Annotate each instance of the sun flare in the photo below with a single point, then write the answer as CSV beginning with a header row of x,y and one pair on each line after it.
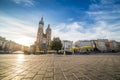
x,y
20,57
24,41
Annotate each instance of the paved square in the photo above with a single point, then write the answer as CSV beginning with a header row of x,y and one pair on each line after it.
x,y
59,67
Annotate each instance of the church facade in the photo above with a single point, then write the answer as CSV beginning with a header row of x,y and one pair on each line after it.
x,y
43,39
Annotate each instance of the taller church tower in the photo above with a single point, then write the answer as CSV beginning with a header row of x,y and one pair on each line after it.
x,y
43,39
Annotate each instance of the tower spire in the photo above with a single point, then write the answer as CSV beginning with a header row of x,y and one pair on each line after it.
x,y
48,25
41,21
41,18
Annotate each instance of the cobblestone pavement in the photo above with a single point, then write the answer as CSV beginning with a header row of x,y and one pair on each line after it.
x,y
59,67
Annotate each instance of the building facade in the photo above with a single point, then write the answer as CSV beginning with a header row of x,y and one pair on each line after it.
x,y
113,45
43,39
105,45
82,43
11,46
66,44
101,44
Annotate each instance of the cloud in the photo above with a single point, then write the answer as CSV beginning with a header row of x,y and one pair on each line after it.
x,y
106,16
77,31
22,32
108,2
24,2
70,19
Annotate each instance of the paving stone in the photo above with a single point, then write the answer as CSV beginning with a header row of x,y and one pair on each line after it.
x,y
49,74
41,72
78,74
1,77
44,68
38,77
24,73
27,79
57,70
83,78
67,73
71,77
50,69
60,67
48,79
59,77
6,74
17,78
9,77
30,75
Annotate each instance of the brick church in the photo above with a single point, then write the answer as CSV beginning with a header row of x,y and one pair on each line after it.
x,y
43,39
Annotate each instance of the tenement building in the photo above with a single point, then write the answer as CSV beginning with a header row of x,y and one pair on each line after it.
x,y
43,39
67,44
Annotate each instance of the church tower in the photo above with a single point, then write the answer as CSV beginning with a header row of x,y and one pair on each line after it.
x,y
40,33
43,40
48,35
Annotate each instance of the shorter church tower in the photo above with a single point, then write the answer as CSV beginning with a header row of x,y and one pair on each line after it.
x,y
43,39
48,36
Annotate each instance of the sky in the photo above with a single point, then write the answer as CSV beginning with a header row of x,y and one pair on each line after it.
x,y
69,19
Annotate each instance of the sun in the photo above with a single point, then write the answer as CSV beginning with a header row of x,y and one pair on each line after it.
x,y
24,41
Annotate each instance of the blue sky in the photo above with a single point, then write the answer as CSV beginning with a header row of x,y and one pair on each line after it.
x,y
70,19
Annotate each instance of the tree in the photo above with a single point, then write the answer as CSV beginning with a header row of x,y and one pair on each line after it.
x,y
1,48
56,44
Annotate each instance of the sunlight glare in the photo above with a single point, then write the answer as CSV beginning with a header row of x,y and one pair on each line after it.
x,y
24,41
20,57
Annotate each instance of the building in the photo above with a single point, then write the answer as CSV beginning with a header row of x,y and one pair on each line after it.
x,y
82,43
66,44
118,46
101,44
11,46
32,49
113,45
43,39
104,45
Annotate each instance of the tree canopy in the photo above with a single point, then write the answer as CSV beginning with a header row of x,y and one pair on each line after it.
x,y
56,44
